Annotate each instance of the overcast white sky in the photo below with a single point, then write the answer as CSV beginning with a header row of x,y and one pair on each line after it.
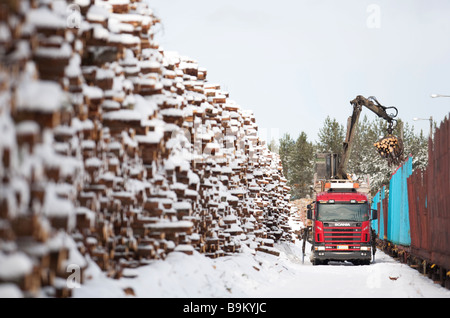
x,y
295,62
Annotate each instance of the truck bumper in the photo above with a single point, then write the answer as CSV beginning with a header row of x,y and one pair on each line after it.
x,y
343,256
363,256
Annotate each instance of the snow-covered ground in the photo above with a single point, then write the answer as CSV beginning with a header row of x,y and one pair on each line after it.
x,y
253,274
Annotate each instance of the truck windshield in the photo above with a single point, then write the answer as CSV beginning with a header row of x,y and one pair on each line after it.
x,y
343,212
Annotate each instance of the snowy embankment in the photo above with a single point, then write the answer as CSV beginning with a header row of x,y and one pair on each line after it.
x,y
253,274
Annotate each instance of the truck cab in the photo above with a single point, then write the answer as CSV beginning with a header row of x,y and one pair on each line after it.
x,y
341,229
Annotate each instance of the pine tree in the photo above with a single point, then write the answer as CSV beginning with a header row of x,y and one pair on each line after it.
x,y
420,150
331,136
285,151
302,165
416,146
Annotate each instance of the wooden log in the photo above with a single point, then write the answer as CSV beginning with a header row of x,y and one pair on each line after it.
x,y
57,260
171,227
268,250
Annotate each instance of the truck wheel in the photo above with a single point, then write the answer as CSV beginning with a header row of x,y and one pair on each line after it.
x,y
320,262
361,262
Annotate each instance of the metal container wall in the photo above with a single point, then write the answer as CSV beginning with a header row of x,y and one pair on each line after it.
x,y
439,194
418,214
398,231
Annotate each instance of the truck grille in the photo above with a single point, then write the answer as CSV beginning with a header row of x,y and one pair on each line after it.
x,y
342,238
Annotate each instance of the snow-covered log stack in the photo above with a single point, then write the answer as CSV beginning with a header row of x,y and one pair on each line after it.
x,y
115,150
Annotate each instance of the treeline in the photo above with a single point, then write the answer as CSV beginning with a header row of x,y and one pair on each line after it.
x,y
298,155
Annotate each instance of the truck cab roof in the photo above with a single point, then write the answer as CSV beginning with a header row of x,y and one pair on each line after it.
x,y
341,196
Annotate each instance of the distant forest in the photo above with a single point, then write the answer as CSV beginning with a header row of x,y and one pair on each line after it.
x,y
298,155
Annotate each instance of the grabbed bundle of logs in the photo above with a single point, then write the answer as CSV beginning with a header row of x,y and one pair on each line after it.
x,y
390,148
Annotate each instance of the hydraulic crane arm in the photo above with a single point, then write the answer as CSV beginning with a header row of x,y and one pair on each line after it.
x,y
372,104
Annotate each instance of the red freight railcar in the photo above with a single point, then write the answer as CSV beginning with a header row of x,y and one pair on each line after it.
x,y
429,204
438,199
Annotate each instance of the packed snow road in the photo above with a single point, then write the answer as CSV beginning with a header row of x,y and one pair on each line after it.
x,y
385,277
253,274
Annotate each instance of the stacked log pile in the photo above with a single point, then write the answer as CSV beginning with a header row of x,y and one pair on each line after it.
x,y
116,151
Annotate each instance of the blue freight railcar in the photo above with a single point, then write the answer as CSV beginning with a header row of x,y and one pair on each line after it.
x,y
398,228
392,224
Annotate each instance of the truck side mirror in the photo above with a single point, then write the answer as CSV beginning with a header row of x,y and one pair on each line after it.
x,y
374,214
309,212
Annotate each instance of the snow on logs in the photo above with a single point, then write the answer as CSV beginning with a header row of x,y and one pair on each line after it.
x,y
117,151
